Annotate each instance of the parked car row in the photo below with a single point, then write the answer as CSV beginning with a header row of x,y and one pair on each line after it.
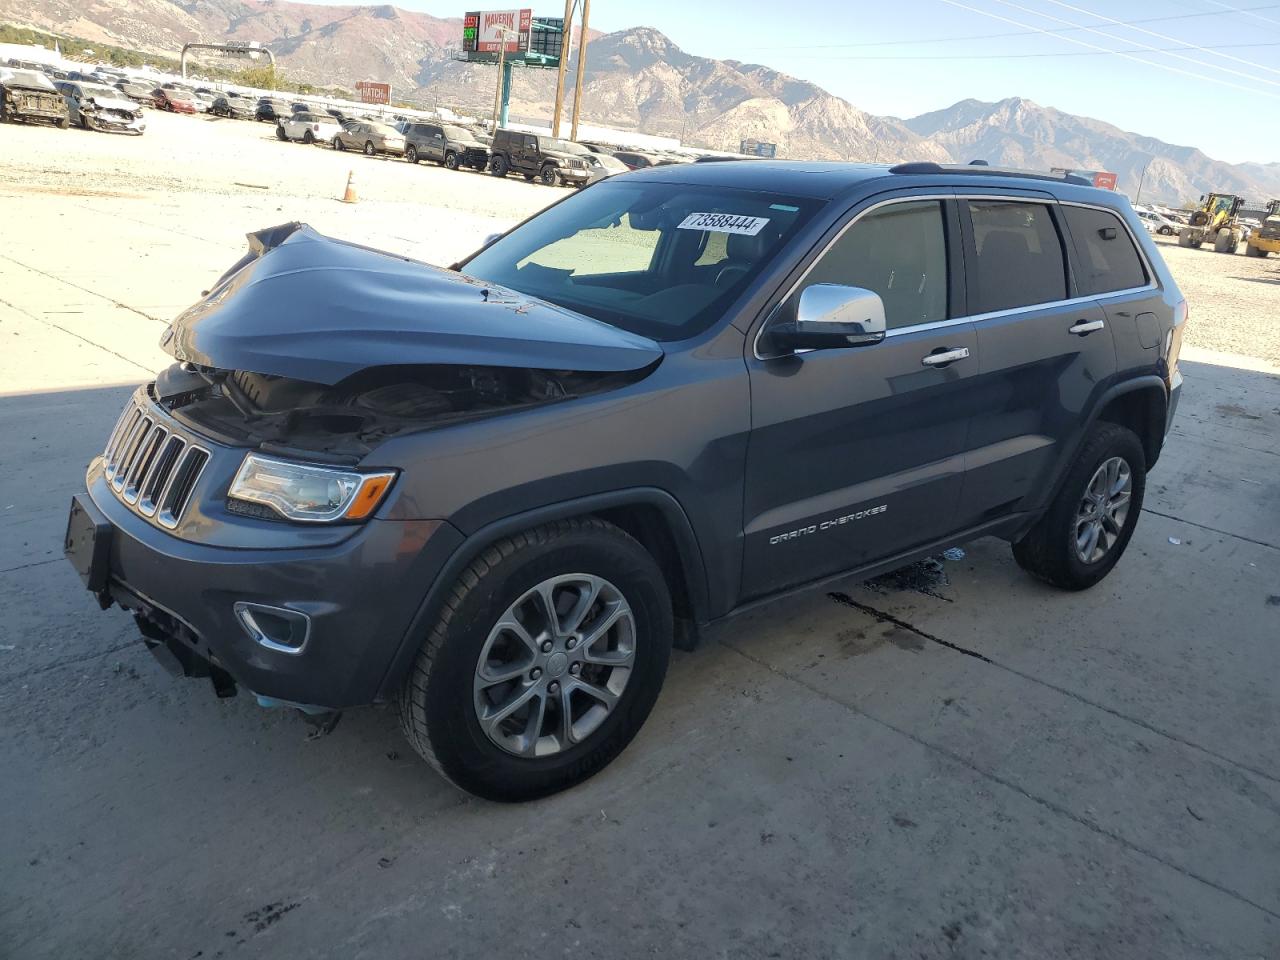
x,y
28,96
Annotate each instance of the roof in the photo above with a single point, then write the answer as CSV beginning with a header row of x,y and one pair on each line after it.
x,y
799,178
827,180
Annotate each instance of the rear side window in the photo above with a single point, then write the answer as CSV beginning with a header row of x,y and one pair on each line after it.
x,y
1019,256
900,252
1106,257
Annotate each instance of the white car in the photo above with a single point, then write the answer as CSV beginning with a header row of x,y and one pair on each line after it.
x,y
308,127
1158,223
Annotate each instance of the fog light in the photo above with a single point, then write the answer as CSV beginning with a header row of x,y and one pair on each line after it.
x,y
275,628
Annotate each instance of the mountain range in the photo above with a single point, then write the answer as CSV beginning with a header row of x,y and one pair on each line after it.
x,y
638,79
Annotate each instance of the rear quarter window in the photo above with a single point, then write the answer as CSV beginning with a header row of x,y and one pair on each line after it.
x,y
1106,258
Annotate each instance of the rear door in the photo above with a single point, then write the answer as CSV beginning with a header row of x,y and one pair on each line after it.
x,y
1046,351
856,455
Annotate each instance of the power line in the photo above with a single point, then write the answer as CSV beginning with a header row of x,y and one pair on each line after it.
x,y
1128,56
1013,33
1032,56
1163,36
1246,11
1111,36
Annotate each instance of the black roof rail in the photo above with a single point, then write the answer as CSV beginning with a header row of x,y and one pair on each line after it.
x,y
928,166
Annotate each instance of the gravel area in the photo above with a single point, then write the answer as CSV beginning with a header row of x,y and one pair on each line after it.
x,y
1235,300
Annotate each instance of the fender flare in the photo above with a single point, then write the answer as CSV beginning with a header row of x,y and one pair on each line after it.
x,y
689,552
1131,385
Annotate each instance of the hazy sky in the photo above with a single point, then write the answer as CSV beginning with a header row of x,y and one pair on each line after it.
x,y
1213,80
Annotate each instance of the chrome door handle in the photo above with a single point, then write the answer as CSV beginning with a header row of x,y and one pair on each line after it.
x,y
1086,326
947,356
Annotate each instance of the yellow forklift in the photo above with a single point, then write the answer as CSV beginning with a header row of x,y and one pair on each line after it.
x,y
1215,220
1266,239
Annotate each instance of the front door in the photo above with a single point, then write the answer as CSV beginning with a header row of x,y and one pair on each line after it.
x,y
856,455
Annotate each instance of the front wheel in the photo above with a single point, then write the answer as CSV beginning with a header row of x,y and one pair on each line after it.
x,y
280,134
308,138
451,160
338,144
411,153
547,657
1085,531
1225,242
549,175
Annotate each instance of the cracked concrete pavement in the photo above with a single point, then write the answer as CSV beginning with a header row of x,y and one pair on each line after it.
x,y
951,761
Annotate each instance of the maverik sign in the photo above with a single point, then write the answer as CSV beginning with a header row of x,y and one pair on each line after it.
x,y
491,31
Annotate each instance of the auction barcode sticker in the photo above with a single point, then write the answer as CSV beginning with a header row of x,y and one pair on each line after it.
x,y
724,223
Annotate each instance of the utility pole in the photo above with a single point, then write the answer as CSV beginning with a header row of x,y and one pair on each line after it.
x,y
566,42
502,66
582,65
1141,179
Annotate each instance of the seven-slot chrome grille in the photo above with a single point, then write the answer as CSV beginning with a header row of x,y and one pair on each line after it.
x,y
151,467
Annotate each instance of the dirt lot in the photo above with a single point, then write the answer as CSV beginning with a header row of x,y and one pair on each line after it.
x,y
951,762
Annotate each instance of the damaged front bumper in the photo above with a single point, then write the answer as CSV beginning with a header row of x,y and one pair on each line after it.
x,y
114,121
316,625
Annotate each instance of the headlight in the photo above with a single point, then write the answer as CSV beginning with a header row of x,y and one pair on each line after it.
x,y
308,493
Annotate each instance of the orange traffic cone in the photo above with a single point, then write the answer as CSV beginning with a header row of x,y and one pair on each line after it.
x,y
350,195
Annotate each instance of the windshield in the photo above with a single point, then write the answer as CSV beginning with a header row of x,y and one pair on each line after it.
x,y
457,133
659,259
564,146
105,92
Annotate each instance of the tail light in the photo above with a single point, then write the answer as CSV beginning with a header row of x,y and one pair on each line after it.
x,y
1173,339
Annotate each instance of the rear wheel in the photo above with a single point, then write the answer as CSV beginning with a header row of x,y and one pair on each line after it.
x,y
338,144
411,153
451,160
548,655
1187,238
308,138
499,166
1085,531
1225,242
369,148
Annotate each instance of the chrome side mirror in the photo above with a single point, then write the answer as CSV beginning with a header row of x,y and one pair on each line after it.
x,y
830,315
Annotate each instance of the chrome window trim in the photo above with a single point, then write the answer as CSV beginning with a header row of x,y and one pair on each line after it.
x,y
975,317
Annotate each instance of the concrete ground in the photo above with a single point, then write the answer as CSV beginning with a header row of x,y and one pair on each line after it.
x,y
954,761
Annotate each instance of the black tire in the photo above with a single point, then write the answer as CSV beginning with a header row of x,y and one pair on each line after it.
x,y
369,149
1224,242
411,153
499,166
280,134
338,144
437,711
308,138
1186,238
1048,550
1251,251
1166,231
451,160
549,175
63,123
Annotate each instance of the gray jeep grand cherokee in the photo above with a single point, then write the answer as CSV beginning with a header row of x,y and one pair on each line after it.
x,y
499,493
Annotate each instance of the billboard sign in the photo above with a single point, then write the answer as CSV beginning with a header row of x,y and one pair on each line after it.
x,y
1102,179
490,31
371,92
758,148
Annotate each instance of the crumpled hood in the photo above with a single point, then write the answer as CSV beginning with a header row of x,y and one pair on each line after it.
x,y
303,305
115,103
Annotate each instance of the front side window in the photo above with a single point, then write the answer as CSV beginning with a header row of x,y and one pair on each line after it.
x,y
1107,258
660,259
1020,260
899,251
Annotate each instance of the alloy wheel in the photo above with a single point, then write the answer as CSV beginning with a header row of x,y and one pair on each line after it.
x,y
554,666
1103,510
